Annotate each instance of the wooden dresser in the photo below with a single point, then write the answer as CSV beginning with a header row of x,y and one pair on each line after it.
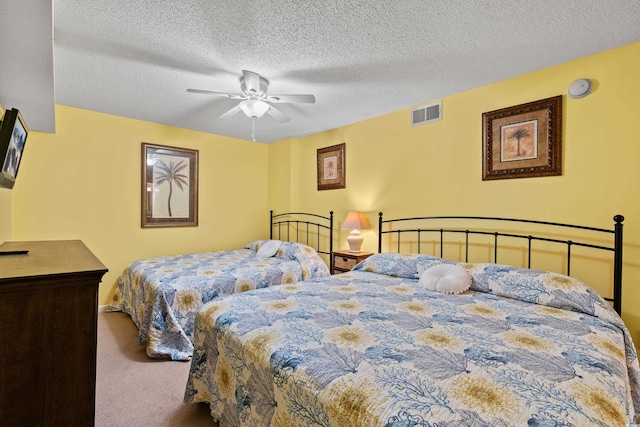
x,y
48,333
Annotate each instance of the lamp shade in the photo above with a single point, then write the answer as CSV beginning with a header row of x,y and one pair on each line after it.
x,y
254,108
355,221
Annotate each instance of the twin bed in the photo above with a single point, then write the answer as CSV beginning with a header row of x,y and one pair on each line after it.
x,y
162,295
379,346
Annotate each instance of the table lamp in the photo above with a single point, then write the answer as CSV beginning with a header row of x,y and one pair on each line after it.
x,y
355,222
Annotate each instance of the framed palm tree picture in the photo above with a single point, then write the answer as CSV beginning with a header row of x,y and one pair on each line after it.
x,y
523,141
331,167
169,186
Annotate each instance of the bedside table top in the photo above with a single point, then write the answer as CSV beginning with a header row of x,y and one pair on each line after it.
x,y
347,252
344,261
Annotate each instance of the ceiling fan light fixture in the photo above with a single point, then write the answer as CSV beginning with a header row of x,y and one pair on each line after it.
x,y
255,102
254,108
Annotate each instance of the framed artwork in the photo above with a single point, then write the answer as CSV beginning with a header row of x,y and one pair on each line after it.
x,y
523,141
169,186
331,167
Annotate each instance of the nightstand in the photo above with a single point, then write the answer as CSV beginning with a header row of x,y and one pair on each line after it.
x,y
345,260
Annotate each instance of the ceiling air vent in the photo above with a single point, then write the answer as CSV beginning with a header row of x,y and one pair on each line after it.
x,y
426,114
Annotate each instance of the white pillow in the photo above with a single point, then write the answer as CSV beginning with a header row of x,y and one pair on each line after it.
x,y
268,249
446,278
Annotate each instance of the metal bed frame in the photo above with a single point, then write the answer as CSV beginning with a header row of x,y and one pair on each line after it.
x,y
616,247
294,220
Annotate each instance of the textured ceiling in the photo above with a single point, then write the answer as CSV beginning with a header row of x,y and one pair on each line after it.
x,y
26,61
136,58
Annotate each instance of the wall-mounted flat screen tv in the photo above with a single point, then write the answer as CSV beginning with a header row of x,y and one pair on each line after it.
x,y
13,136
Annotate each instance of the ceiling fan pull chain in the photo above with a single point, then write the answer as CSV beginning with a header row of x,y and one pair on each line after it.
x,y
253,129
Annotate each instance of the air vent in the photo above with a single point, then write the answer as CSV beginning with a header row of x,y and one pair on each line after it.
x,y
426,114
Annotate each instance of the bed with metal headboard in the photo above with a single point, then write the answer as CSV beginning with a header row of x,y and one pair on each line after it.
x,y
423,231
163,294
417,339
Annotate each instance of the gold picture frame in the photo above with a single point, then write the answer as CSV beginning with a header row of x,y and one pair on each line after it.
x,y
331,167
523,141
169,186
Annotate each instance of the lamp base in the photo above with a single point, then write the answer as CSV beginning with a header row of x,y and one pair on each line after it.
x,y
355,241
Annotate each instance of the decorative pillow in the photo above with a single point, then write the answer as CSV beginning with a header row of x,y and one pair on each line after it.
x,y
446,278
269,249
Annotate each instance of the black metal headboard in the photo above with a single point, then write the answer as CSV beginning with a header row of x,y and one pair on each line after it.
x,y
307,228
615,233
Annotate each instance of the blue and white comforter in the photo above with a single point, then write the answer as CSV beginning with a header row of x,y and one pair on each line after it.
x,y
162,295
373,347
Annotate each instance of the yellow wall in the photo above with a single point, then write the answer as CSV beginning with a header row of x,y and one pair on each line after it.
x,y
5,215
84,182
436,169
5,209
280,176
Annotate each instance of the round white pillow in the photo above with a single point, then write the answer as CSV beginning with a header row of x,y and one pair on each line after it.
x,y
446,278
268,249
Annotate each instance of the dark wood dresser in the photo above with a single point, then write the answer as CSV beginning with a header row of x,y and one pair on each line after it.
x,y
48,333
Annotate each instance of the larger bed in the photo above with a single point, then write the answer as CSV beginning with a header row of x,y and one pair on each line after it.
x,y
163,294
377,347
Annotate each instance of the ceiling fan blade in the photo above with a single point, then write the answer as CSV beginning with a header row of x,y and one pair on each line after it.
x,y
210,92
251,81
309,99
277,114
232,112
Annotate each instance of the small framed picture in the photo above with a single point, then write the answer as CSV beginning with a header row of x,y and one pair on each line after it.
x,y
331,167
523,141
169,186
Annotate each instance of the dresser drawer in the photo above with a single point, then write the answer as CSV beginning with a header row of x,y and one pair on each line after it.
x,y
344,263
344,260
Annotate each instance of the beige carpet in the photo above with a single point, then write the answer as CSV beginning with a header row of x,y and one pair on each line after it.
x,y
134,390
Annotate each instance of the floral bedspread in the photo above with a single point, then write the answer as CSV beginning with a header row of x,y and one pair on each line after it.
x,y
372,347
162,295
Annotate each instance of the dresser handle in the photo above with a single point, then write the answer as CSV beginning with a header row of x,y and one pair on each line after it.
x,y
345,259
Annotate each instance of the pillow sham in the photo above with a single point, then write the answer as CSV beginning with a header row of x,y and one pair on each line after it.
x,y
539,287
268,249
255,245
310,261
409,266
446,278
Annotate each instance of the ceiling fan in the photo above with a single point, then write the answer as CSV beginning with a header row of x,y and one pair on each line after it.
x,y
254,99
